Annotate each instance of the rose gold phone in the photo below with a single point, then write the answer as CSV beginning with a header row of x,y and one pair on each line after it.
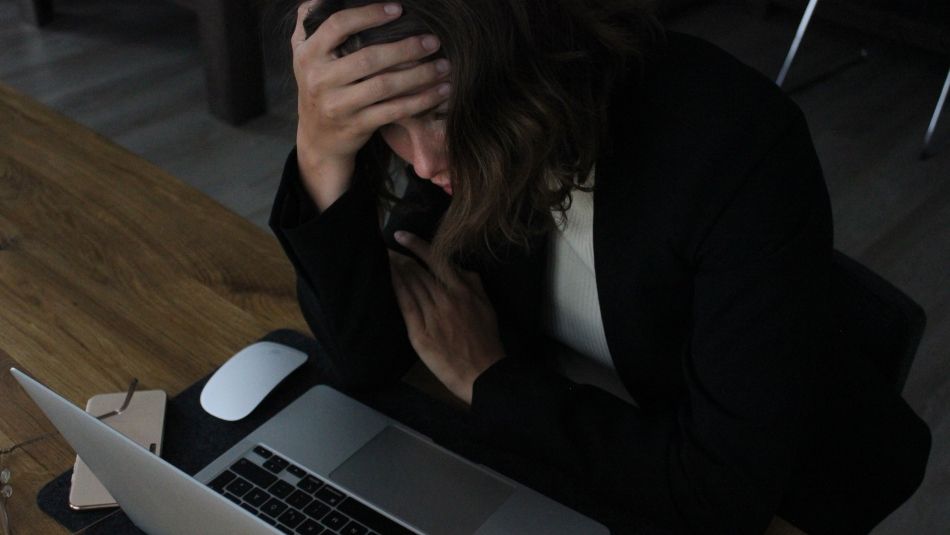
x,y
143,421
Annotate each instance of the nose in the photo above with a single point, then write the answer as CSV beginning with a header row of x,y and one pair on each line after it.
x,y
427,158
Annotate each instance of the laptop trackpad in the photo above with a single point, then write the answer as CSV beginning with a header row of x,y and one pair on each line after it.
x,y
418,482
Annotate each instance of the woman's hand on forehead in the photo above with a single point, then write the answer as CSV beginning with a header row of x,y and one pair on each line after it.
x,y
343,100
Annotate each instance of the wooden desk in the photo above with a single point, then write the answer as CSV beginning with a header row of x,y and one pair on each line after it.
x,y
110,269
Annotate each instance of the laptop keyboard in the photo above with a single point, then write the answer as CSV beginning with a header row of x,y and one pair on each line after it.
x,y
296,501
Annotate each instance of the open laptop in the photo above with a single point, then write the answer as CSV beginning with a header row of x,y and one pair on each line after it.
x,y
325,464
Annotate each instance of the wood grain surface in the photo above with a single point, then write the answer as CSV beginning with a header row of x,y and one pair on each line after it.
x,y
110,269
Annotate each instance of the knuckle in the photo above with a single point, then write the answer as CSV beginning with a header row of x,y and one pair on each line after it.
x,y
333,24
431,98
361,124
332,110
314,83
412,47
365,61
391,114
381,86
300,60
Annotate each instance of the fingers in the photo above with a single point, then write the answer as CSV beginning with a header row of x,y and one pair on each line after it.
x,y
453,279
414,279
417,245
374,59
414,288
405,82
341,25
300,34
371,75
408,304
392,110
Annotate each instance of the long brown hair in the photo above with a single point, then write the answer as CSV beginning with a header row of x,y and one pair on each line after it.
x,y
531,80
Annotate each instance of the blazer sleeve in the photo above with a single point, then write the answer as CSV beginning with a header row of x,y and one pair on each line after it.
x,y
343,280
718,462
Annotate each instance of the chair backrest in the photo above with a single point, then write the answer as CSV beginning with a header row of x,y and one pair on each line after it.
x,y
874,320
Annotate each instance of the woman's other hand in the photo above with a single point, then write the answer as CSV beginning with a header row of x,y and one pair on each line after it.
x,y
342,101
451,323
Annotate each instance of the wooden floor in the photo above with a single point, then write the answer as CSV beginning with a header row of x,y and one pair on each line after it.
x,y
131,70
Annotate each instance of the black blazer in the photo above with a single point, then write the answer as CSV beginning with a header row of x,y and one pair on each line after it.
x,y
712,243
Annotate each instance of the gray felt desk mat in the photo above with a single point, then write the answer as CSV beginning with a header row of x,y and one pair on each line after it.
x,y
193,438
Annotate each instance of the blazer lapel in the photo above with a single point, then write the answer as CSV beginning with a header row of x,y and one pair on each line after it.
x,y
640,283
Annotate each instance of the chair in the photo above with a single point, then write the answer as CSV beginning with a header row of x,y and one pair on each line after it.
x,y
875,319
231,43
793,51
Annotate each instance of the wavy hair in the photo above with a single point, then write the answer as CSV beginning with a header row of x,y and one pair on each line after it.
x,y
531,82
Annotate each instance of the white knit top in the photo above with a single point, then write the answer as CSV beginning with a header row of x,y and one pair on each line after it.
x,y
572,312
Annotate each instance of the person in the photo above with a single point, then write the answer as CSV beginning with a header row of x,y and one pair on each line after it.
x,y
574,172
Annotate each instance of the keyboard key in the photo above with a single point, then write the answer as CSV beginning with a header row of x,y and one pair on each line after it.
x,y
285,529
250,508
255,474
232,497
239,487
330,495
309,484
335,520
267,519
296,471
223,479
281,489
370,518
317,510
263,452
275,464
353,529
310,527
256,497
298,499
291,518
274,507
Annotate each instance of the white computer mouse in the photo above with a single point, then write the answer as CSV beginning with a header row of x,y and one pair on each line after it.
x,y
243,382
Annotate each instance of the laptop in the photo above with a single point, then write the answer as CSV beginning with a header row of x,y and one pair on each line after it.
x,y
325,464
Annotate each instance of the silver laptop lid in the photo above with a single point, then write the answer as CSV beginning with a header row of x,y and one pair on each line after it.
x,y
158,497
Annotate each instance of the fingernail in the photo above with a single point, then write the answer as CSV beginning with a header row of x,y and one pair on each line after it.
x,y
392,9
430,42
401,236
445,89
442,66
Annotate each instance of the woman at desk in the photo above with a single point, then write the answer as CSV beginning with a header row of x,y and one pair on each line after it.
x,y
575,173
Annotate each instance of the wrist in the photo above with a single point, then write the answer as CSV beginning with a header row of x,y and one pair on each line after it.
x,y
325,179
466,390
